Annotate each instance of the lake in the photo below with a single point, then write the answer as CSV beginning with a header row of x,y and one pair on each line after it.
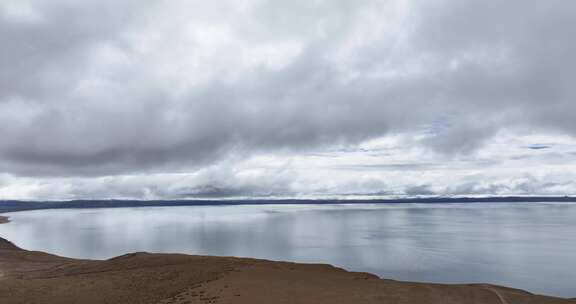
x,y
531,246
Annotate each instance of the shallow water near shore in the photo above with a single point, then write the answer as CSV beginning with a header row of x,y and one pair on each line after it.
x,y
528,246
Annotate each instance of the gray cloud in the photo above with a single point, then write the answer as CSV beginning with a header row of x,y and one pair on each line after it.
x,y
391,167
538,147
104,87
420,190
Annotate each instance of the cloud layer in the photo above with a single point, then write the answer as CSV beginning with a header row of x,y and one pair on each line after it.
x,y
107,89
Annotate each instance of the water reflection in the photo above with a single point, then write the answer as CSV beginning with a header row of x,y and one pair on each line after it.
x,y
529,246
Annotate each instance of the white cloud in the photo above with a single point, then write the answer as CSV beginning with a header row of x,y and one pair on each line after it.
x,y
151,95
384,168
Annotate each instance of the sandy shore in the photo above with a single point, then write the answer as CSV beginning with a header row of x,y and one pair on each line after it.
x,y
36,277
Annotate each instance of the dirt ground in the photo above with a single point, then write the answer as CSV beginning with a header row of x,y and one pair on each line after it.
x,y
36,277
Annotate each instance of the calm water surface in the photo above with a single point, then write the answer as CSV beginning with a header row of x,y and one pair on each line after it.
x,y
528,246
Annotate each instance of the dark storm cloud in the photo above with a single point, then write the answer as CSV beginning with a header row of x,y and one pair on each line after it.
x,y
107,87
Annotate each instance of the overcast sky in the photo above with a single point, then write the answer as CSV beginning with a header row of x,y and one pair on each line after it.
x,y
301,98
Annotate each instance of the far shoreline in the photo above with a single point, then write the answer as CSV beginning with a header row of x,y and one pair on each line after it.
x,y
18,205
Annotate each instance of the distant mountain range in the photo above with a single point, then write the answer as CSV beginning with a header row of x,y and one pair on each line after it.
x,y
14,205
